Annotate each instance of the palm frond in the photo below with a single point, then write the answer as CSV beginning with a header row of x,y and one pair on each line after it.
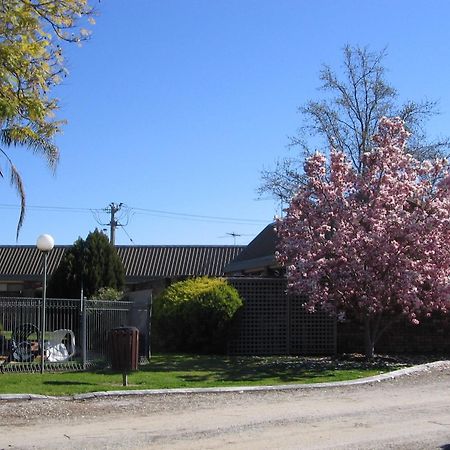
x,y
35,141
17,183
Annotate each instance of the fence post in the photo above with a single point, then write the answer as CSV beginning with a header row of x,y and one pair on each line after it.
x,y
83,330
149,326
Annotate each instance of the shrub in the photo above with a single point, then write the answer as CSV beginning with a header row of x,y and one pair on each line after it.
x,y
195,315
107,293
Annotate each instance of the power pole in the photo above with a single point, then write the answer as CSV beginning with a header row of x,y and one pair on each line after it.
x,y
113,208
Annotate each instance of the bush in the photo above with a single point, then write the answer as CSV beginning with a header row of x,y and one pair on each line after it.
x,y
195,315
108,293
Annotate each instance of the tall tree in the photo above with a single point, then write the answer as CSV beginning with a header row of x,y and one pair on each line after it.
x,y
374,243
31,64
90,264
347,118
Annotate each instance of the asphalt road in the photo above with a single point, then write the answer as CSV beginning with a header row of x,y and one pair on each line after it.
x,y
409,412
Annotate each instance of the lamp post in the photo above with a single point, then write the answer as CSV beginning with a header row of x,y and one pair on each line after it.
x,y
45,244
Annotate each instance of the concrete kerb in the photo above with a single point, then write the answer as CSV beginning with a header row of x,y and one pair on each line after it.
x,y
236,389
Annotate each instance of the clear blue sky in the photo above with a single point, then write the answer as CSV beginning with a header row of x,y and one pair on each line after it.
x,y
177,106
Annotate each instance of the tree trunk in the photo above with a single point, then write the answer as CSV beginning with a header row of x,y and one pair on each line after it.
x,y
369,341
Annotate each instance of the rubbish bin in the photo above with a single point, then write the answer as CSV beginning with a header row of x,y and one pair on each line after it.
x,y
124,349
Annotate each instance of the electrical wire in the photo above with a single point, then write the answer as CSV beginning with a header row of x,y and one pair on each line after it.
x,y
125,231
143,211
50,208
187,216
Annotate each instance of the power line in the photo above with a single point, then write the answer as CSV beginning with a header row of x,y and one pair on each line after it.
x,y
129,237
197,216
50,208
143,211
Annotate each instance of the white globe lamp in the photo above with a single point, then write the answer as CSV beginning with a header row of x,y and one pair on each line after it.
x,y
45,244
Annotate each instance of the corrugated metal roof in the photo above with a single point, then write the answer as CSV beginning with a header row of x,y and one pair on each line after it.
x,y
25,262
140,262
171,261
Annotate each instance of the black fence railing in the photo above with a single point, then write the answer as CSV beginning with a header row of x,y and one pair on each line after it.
x,y
76,331
101,317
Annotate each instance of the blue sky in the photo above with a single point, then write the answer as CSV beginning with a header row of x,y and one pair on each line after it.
x,y
177,105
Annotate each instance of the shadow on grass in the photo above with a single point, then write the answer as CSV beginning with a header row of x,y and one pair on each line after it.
x,y
246,376
250,369
197,369
68,383
207,368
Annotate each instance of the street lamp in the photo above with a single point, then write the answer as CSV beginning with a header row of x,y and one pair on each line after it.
x,y
45,244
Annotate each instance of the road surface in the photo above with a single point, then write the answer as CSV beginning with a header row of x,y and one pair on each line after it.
x,y
410,412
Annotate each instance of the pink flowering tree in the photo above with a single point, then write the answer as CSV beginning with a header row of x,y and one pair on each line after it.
x,y
373,245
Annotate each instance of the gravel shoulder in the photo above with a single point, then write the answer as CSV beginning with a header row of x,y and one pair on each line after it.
x,y
410,411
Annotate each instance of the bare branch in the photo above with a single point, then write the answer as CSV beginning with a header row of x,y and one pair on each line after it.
x,y
347,118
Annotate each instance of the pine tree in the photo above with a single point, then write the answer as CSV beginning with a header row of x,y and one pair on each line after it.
x,y
90,264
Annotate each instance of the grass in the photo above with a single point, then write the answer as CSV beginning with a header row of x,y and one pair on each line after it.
x,y
190,371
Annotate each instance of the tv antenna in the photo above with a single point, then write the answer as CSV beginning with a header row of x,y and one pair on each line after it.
x,y
235,235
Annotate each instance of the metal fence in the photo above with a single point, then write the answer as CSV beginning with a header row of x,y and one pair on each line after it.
x,y
76,331
101,316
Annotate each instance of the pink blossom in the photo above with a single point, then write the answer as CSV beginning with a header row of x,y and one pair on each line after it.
x,y
371,243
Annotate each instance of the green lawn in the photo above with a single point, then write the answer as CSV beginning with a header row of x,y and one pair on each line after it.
x,y
188,371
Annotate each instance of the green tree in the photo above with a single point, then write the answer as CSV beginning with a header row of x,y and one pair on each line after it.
x,y
92,264
32,33
346,117
195,315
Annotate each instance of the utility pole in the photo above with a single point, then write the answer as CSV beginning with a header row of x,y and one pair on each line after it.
x,y
113,208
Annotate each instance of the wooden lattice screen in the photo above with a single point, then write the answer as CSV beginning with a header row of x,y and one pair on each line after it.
x,y
274,323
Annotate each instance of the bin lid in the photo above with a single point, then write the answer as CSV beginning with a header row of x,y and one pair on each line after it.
x,y
124,330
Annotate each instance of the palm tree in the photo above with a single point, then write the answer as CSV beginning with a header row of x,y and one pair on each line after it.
x,y
39,144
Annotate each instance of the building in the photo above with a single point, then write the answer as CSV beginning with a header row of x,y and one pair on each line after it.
x,y
258,258
146,267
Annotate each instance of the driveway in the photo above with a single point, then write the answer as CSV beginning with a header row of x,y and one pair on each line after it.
x,y
409,412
